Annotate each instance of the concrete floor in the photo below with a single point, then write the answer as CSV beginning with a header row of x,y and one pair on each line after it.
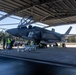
x,y
54,56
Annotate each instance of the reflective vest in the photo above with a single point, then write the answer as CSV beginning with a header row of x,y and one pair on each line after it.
x,y
60,45
8,41
31,43
40,45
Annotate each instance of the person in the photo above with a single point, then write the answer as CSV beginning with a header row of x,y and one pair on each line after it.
x,y
11,44
60,44
4,43
8,43
30,26
63,45
40,45
31,43
28,42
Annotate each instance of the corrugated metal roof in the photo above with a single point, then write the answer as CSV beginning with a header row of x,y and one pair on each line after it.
x,y
52,12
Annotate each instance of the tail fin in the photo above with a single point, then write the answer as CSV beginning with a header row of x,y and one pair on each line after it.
x,y
68,31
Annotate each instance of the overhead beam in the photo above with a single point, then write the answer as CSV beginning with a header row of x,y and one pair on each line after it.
x,y
45,13
73,22
23,8
46,1
59,16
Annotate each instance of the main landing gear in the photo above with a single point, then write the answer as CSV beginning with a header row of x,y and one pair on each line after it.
x,y
57,45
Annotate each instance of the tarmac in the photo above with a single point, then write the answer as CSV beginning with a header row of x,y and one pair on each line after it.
x,y
51,56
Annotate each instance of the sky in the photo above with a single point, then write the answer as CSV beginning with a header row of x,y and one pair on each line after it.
x,y
60,29
63,28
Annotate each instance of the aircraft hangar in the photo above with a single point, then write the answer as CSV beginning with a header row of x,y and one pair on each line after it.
x,y
51,12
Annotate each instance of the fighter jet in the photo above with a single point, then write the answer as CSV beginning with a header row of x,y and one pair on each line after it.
x,y
27,31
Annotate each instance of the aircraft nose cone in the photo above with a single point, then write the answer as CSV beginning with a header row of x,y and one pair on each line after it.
x,y
12,31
